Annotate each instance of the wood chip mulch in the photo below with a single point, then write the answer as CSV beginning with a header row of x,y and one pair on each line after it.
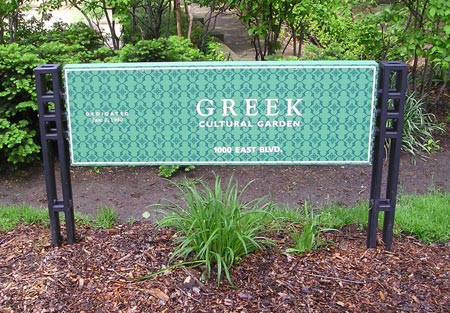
x,y
97,274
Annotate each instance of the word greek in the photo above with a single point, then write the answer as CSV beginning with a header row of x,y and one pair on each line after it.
x,y
250,107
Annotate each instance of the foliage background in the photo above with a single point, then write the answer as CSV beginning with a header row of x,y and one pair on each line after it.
x,y
142,30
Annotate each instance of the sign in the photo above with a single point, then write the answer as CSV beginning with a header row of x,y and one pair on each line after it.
x,y
221,113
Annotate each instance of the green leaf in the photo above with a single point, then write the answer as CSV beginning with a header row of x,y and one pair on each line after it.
x,y
432,12
447,30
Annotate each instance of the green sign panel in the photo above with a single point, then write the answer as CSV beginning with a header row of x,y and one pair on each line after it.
x,y
221,113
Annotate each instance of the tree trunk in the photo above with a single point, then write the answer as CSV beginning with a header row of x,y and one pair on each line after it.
x,y
187,7
2,31
300,44
112,28
414,70
443,87
177,9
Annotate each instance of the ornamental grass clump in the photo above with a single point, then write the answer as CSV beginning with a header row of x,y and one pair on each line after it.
x,y
308,239
419,128
217,228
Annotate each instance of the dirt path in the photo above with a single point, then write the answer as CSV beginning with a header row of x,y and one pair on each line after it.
x,y
235,37
131,190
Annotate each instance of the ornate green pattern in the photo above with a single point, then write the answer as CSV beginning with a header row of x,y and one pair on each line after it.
x,y
221,113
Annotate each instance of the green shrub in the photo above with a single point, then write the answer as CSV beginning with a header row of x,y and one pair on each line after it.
x,y
334,51
169,170
18,119
212,50
69,34
162,49
76,43
217,228
61,53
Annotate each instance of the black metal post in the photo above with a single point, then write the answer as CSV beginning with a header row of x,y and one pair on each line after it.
x,y
389,125
53,123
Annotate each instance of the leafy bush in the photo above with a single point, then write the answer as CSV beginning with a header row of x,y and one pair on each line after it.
x,y
74,43
19,143
335,31
169,170
70,34
162,49
61,53
18,121
217,228
380,34
63,44
212,50
334,51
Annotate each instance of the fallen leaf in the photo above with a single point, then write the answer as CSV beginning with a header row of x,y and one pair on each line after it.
x,y
80,283
159,294
246,296
187,280
415,299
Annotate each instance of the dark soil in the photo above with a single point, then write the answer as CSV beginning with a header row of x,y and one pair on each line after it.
x,y
132,190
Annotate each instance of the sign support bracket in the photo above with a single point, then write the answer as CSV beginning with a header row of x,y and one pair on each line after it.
x,y
54,142
388,134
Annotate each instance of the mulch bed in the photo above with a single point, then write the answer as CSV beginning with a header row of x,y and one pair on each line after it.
x,y
97,274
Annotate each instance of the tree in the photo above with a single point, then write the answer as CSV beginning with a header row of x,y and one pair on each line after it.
x,y
263,18
94,11
145,19
10,14
427,29
177,11
267,19
417,31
